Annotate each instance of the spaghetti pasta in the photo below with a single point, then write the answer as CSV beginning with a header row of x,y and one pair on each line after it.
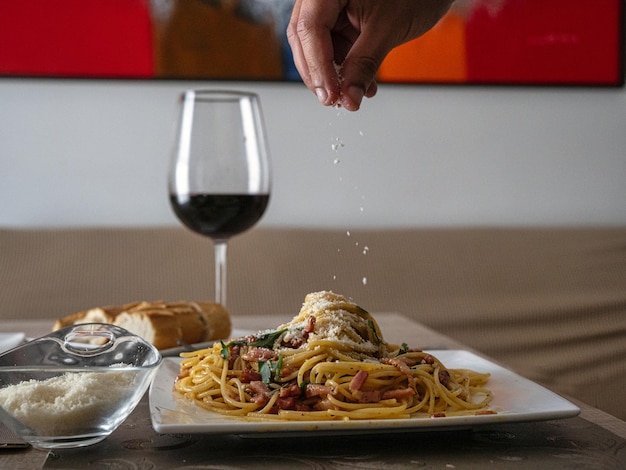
x,y
329,362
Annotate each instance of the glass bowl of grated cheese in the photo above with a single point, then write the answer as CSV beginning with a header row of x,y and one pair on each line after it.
x,y
75,386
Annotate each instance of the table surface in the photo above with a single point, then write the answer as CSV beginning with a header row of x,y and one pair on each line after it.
x,y
592,440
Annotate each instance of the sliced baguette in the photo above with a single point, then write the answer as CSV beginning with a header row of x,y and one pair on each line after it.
x,y
164,324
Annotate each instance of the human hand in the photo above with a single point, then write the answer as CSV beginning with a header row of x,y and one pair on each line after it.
x,y
339,45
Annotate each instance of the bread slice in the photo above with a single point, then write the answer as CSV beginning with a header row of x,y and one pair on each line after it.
x,y
164,324
217,323
93,315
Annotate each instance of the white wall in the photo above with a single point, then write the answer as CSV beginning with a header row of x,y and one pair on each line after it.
x,y
96,153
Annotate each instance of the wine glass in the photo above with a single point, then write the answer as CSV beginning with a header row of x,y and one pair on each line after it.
x,y
219,178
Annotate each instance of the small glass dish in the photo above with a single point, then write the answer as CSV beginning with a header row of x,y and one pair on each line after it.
x,y
75,386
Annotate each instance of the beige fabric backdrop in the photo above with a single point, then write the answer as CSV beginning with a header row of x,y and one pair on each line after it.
x,y
550,303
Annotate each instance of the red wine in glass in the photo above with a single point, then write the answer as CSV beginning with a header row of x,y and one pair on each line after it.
x,y
219,216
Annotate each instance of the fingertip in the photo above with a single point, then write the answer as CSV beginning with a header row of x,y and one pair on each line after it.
x,y
352,98
327,97
322,95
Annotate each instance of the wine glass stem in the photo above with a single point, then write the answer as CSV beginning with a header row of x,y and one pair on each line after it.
x,y
220,271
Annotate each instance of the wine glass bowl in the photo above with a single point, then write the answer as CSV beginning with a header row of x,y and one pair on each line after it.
x,y
219,178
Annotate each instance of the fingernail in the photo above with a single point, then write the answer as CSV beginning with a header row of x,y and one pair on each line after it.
x,y
322,95
355,94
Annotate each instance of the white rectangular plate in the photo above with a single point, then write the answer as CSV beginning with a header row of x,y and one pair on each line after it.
x,y
516,399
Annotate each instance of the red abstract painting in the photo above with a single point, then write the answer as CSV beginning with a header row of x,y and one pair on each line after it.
x,y
558,42
515,42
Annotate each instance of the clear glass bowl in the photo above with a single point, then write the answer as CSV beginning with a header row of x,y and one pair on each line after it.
x,y
75,386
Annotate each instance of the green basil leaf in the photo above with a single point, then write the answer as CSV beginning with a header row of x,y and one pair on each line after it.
x,y
268,339
225,351
266,372
278,368
372,325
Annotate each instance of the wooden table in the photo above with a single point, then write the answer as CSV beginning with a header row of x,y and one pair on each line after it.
x,y
592,440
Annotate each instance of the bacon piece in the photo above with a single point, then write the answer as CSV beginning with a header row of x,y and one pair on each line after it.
x,y
301,406
324,404
399,393
257,386
428,359
259,355
317,390
306,331
250,375
286,403
409,361
444,378
260,392
358,380
291,390
368,396
403,367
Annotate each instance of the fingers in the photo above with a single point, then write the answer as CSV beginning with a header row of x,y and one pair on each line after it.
x,y
309,35
321,34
